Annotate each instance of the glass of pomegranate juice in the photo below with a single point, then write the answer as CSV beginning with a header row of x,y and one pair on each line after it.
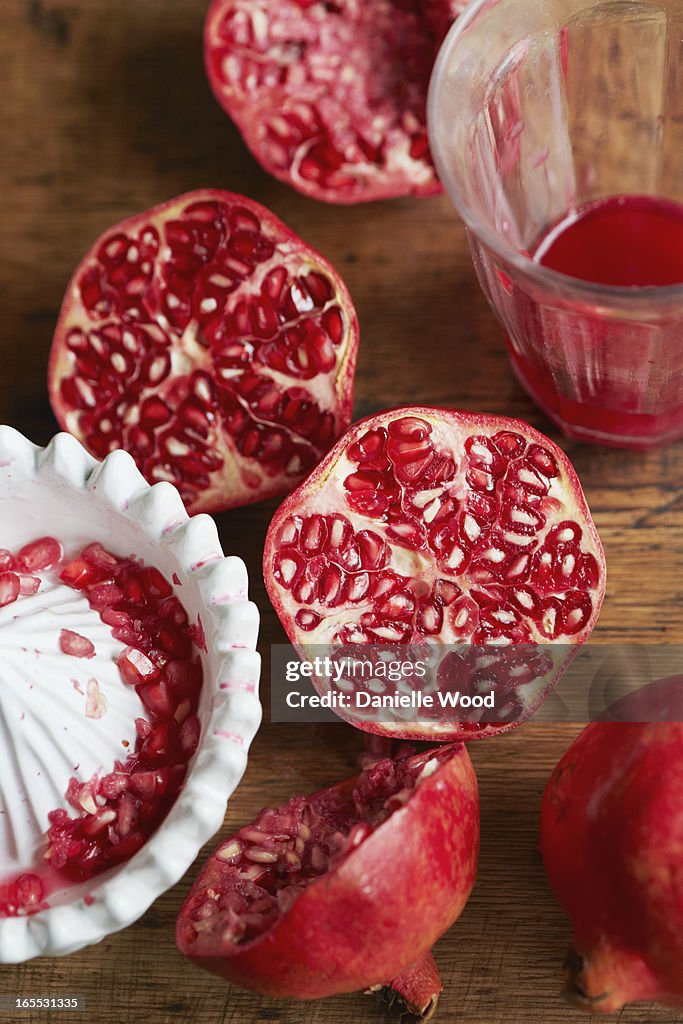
x,y
557,129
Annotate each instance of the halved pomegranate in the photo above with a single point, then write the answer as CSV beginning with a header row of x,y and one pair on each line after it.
x,y
208,340
342,890
435,527
331,97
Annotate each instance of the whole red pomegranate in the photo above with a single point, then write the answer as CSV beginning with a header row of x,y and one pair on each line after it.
x,y
331,97
612,842
438,527
209,341
345,889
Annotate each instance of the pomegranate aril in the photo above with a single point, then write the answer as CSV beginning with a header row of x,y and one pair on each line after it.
x,y
566,532
172,610
161,745
509,444
142,728
29,585
26,892
113,785
177,644
149,784
542,460
184,678
157,699
188,737
136,667
9,588
577,609
372,549
39,554
126,849
155,583
79,573
76,645
98,556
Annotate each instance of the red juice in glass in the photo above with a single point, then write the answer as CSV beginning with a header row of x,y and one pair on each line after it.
x,y
627,241
556,130
632,242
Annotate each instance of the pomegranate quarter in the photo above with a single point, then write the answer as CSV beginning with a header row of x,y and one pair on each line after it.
x,y
331,97
345,889
463,531
209,341
611,840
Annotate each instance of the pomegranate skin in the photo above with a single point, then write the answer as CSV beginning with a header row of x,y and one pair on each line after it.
x,y
611,840
371,917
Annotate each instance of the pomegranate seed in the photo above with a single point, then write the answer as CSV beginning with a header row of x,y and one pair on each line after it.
x,y
113,785
189,735
97,556
9,588
142,728
149,784
184,678
40,554
126,848
155,583
105,594
79,574
161,744
76,645
27,891
135,667
29,585
157,699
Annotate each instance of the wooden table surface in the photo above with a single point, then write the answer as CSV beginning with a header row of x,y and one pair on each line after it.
x,y
105,112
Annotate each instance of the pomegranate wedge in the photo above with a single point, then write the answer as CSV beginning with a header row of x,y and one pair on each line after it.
x,y
343,890
431,525
209,341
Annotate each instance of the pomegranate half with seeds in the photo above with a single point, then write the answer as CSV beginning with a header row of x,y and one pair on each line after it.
x,y
331,97
209,341
431,526
342,890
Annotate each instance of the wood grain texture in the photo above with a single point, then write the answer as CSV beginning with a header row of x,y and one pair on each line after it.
x,y
105,111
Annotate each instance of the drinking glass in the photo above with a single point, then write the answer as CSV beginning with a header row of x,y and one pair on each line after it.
x,y
537,107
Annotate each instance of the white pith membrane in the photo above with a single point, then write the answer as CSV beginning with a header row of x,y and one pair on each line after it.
x,y
256,875
331,96
449,529
212,344
60,715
